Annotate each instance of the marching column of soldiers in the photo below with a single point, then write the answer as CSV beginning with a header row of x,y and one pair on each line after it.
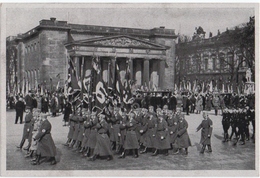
x,y
115,131
238,121
156,130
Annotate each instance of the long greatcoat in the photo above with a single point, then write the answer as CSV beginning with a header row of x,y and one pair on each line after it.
x,y
27,129
172,128
46,146
183,139
199,102
161,131
102,147
206,129
149,130
131,141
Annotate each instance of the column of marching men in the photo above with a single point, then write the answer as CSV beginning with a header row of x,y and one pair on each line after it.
x,y
238,121
124,133
138,131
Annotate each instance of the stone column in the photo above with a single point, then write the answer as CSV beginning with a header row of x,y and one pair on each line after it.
x,y
130,63
146,73
77,65
161,73
138,72
112,71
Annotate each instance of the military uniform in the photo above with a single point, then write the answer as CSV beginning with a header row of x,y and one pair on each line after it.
x,y
183,138
46,146
206,132
226,124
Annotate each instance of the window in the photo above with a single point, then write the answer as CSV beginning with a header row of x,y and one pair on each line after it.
x,y
206,63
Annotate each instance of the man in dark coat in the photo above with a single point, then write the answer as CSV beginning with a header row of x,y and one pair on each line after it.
x,y
26,128
188,103
46,146
193,103
206,132
173,103
183,138
19,108
45,104
29,101
226,124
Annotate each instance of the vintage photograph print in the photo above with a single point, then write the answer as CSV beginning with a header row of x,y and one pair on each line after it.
x,y
142,89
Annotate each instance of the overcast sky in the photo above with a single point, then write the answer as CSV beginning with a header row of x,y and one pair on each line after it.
x,y
182,19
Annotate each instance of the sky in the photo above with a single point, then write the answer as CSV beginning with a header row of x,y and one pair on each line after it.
x,y
182,18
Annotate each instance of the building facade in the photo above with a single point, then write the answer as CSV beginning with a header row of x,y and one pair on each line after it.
x,y
216,60
42,53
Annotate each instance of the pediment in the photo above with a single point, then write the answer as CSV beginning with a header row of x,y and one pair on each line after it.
x,y
122,41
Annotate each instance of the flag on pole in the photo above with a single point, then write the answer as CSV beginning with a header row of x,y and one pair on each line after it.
x,y
223,88
99,86
72,78
202,88
211,86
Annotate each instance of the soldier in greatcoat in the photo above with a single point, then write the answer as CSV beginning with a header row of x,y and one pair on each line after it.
x,y
162,141
27,127
206,132
183,138
87,119
46,146
216,104
172,121
102,147
92,140
226,124
114,129
131,141
148,130
71,129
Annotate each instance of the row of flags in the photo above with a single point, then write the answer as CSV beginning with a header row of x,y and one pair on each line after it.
x,y
205,87
87,86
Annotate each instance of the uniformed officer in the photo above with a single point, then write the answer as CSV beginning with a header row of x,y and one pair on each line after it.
x,y
46,146
206,132
226,123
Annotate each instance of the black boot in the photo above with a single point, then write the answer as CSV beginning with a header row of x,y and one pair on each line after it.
x,y
68,142
21,144
28,147
93,158
202,149
186,151
143,151
135,153
72,143
209,148
82,150
225,138
155,152
53,161
166,153
110,157
29,155
122,155
118,149
86,153
37,161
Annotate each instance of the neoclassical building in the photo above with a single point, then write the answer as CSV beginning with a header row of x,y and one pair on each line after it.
x,y
215,59
43,52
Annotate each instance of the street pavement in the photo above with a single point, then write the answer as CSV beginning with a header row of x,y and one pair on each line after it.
x,y
225,156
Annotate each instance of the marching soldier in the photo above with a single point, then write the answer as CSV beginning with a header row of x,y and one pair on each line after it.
x,y
91,143
172,129
226,124
206,132
102,147
183,138
71,129
149,123
233,124
46,146
27,127
131,141
161,137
